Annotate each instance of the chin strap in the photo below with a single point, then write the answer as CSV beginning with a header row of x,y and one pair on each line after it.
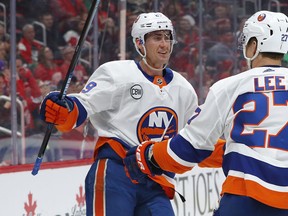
x,y
152,68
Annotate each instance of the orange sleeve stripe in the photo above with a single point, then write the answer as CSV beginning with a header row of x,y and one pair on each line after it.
x,y
216,158
239,186
71,120
165,161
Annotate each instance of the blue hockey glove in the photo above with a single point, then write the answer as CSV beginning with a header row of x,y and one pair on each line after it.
x,y
138,164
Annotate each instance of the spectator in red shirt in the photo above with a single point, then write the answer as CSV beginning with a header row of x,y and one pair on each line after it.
x,y
28,47
79,72
29,93
64,9
72,36
185,51
47,69
66,12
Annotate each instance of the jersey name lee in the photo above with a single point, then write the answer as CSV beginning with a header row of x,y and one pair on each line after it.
x,y
269,83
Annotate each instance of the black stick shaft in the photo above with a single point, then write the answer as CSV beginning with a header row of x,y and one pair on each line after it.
x,y
66,83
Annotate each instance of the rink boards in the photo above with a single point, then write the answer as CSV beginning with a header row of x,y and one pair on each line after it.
x,y
58,190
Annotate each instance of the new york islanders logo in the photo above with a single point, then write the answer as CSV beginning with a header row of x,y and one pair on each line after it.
x,y
261,17
157,123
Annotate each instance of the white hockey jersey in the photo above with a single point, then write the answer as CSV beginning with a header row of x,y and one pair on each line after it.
x,y
122,102
250,111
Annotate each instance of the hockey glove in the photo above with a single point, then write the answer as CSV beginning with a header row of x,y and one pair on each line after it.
x,y
62,113
138,163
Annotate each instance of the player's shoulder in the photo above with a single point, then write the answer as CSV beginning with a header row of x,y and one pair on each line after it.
x,y
248,76
229,83
118,64
179,79
117,68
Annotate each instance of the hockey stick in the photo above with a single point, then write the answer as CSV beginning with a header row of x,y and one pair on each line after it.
x,y
65,85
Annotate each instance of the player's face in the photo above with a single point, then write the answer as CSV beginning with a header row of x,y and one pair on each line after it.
x,y
158,47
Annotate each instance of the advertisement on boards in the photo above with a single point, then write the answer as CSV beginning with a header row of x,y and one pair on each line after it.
x,y
60,191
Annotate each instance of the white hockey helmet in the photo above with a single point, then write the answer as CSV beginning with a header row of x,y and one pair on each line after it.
x,y
270,29
150,22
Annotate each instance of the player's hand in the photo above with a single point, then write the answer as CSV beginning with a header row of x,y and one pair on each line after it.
x,y
138,165
54,110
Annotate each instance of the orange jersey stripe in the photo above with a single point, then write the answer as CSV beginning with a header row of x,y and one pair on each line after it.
x,y
99,195
167,186
116,146
165,161
240,186
216,158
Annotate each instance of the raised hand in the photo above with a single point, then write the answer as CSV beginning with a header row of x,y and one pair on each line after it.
x,y
62,113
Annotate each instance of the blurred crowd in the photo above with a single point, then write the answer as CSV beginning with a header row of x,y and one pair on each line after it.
x,y
47,32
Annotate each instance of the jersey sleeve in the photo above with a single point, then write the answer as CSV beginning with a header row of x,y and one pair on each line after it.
x,y
216,158
101,91
196,141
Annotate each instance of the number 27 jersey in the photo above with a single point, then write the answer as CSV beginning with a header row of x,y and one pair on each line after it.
x,y
250,110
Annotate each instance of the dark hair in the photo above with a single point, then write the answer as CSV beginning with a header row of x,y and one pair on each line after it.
x,y
275,56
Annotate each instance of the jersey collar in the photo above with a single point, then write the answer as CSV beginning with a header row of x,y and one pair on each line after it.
x,y
167,76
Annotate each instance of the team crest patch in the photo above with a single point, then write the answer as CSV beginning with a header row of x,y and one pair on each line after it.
x,y
136,91
159,81
157,123
261,17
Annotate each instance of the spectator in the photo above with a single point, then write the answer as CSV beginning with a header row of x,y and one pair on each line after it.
x,y
108,38
28,47
5,120
47,69
221,11
79,71
221,56
131,53
72,36
29,93
173,10
4,52
185,53
4,37
54,39
102,14
66,12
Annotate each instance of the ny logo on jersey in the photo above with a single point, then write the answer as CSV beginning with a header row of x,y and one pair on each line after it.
x,y
157,123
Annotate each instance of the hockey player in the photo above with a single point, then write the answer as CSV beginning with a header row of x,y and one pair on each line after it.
x,y
129,102
250,110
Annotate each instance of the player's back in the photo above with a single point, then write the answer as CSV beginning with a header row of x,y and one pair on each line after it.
x,y
256,132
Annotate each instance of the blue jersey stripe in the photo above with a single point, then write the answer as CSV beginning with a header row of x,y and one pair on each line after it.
x,y
267,172
186,151
82,111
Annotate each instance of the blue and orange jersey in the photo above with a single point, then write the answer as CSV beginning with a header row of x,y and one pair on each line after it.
x,y
249,110
127,107
123,101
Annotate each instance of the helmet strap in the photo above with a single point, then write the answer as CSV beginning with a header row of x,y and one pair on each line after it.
x,y
157,69
249,60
